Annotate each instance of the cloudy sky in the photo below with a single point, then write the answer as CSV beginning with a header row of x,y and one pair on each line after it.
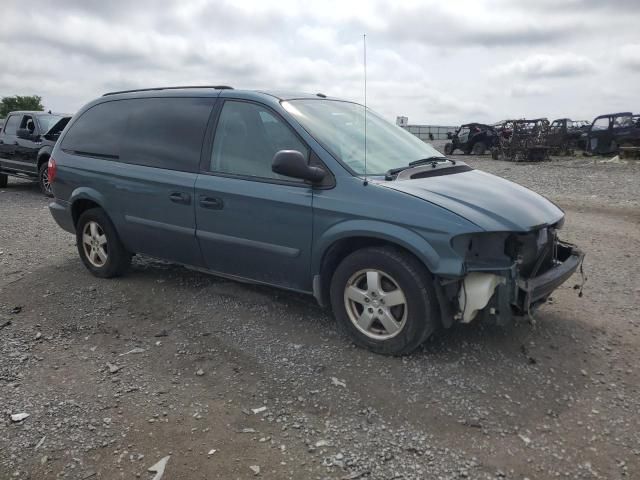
x,y
441,62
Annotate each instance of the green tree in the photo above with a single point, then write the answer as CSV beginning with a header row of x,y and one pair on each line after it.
x,y
28,102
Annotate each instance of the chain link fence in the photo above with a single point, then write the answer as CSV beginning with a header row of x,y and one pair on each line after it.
x,y
427,133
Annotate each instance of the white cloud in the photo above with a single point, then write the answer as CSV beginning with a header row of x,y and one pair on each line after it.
x,y
528,90
630,56
541,65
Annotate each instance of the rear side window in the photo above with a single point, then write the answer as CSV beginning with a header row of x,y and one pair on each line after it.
x,y
166,132
155,132
98,132
12,124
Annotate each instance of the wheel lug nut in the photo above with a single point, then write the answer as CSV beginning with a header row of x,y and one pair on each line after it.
x,y
370,310
366,299
380,310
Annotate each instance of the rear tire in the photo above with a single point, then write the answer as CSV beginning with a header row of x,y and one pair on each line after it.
x,y
99,245
383,298
43,180
4,180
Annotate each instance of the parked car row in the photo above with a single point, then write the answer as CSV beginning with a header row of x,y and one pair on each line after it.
x,y
536,139
293,191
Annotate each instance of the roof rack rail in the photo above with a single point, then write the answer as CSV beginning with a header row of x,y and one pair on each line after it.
x,y
216,87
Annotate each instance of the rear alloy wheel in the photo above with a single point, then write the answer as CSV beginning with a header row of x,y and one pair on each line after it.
x,y
99,246
383,298
43,180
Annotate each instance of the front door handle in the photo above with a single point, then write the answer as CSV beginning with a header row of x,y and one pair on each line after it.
x,y
211,202
180,197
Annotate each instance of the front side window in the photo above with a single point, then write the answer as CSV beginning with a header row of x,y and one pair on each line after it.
x,y
11,127
339,127
601,123
246,139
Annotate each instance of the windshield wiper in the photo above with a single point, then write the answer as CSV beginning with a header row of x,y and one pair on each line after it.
x,y
423,161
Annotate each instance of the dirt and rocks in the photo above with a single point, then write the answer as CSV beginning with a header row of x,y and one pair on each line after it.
x,y
235,381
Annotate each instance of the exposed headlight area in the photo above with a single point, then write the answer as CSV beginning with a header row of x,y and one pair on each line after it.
x,y
510,273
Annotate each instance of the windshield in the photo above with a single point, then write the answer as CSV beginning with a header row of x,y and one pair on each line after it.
x,y
47,121
339,127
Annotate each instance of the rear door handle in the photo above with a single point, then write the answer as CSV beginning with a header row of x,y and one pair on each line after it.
x,y
211,202
180,197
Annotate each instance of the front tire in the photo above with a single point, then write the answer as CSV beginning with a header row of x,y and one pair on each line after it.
x,y
448,148
384,300
99,246
43,180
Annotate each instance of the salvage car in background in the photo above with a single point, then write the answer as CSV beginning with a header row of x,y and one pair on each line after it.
x,y
565,135
272,188
471,138
522,140
26,142
613,130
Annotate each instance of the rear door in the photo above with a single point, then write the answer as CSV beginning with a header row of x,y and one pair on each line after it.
x,y
142,155
251,222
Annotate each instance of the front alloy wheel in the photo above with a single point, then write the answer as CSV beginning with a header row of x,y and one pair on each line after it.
x,y
376,305
383,298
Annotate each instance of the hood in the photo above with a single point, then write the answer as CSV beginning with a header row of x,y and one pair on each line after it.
x,y
491,202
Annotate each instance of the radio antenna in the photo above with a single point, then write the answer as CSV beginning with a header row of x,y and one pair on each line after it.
x,y
364,43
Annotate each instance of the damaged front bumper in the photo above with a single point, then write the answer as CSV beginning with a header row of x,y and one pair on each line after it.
x,y
503,294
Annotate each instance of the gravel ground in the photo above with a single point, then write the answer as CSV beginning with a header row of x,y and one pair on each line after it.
x,y
117,374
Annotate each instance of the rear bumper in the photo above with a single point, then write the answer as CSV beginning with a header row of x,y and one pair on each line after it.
x,y
61,213
538,288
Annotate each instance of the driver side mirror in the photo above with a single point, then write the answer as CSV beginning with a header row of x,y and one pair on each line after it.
x,y
292,163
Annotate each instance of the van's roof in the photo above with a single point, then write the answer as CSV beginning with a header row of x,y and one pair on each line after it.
x,y
213,90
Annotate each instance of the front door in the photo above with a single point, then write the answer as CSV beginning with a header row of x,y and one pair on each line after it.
x,y
253,223
27,148
9,142
600,135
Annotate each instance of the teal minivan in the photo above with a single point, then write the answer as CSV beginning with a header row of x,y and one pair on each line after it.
x,y
288,190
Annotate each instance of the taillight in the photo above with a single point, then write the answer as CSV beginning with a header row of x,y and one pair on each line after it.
x,y
51,170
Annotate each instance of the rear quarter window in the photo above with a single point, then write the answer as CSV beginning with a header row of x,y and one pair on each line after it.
x,y
98,131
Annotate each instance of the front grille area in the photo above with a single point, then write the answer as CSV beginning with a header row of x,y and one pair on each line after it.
x,y
535,252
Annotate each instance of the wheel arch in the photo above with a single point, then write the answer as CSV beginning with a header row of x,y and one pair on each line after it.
x,y
43,155
82,199
343,240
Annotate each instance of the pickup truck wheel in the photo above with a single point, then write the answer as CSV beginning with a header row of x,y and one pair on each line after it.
x,y
4,180
384,300
43,180
99,246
